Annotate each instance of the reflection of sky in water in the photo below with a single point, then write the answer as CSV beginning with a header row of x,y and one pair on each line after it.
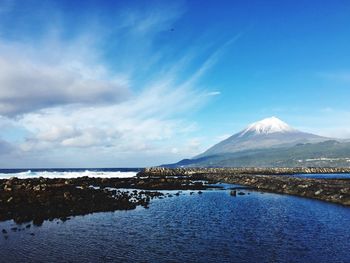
x,y
208,227
330,176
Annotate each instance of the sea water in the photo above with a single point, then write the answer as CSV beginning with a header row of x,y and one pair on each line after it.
x,y
69,173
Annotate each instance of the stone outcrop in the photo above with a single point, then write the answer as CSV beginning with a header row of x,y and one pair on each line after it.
x,y
271,180
161,171
38,199
331,190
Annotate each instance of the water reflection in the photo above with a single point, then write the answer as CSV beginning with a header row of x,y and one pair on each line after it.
x,y
208,227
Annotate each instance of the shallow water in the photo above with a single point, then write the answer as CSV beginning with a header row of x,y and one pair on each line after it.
x,y
324,176
208,227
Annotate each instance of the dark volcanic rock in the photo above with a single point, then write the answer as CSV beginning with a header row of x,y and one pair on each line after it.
x,y
233,193
183,172
322,189
40,199
270,180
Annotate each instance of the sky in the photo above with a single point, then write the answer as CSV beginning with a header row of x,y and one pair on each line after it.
x,y
142,83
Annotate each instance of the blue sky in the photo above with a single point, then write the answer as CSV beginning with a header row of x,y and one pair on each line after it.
x,y
139,83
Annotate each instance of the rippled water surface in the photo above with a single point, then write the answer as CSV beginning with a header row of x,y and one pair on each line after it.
x,y
324,176
211,227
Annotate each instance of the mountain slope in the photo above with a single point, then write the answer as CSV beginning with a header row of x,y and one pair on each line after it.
x,y
324,154
267,133
273,143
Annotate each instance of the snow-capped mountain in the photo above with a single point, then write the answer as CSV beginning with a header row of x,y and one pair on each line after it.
x,y
272,143
266,133
266,126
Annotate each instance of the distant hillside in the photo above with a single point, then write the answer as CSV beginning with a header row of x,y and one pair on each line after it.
x,y
267,133
273,143
324,154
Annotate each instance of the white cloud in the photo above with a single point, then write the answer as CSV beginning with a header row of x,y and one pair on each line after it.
x,y
29,84
53,69
147,117
175,150
193,146
76,107
213,93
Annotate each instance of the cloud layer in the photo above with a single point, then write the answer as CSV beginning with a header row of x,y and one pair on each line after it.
x,y
27,86
70,104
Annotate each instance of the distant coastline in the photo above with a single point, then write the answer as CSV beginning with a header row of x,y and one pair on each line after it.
x,y
244,170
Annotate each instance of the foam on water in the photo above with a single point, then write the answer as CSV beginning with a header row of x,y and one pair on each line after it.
x,y
69,174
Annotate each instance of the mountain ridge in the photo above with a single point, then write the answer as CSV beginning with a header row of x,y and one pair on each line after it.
x,y
273,143
267,133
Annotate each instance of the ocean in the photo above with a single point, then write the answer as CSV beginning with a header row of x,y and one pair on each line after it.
x,y
109,173
69,173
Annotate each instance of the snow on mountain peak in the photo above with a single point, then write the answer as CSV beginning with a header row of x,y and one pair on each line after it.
x,y
267,126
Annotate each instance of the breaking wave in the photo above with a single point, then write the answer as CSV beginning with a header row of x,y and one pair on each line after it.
x,y
66,174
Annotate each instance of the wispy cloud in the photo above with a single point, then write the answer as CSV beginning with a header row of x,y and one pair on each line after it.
x,y
213,93
27,86
67,96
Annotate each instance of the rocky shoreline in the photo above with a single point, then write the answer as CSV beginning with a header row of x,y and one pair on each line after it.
x,y
161,171
39,199
269,180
